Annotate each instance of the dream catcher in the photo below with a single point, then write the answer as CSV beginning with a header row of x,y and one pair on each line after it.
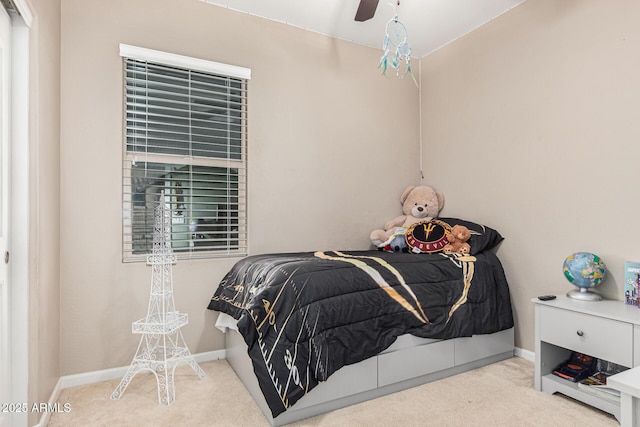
x,y
396,47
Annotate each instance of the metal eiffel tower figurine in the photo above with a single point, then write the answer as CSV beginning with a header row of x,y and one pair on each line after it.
x,y
162,346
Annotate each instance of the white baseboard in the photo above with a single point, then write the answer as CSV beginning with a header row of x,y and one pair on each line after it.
x,y
113,373
46,415
68,381
525,354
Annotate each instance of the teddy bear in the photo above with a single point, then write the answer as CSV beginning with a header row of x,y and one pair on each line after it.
x,y
421,203
458,240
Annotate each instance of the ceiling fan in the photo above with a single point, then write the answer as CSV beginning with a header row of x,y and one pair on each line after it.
x,y
366,10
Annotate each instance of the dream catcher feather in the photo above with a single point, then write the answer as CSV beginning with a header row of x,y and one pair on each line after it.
x,y
396,47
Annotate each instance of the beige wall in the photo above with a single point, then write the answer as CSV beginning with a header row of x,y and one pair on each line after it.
x,y
44,201
325,133
530,125
537,110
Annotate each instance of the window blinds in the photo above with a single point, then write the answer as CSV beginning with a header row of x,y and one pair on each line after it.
x,y
185,135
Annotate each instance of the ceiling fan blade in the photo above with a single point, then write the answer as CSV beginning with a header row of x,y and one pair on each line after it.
x,y
366,10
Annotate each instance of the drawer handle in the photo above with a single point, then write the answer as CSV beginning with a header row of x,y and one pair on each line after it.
x,y
580,333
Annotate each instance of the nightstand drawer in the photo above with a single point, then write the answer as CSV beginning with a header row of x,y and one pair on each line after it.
x,y
593,335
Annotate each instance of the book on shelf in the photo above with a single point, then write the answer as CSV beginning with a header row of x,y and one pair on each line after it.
x,y
577,368
597,384
631,282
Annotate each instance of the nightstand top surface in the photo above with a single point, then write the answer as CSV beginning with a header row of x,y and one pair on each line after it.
x,y
612,309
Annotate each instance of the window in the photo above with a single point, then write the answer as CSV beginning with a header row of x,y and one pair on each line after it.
x,y
185,142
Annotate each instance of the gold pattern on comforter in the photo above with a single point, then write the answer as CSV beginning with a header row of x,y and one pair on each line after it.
x,y
305,315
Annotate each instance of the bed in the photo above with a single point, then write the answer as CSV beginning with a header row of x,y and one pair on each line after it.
x,y
315,331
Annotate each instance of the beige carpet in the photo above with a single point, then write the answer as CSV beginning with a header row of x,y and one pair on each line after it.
x,y
501,394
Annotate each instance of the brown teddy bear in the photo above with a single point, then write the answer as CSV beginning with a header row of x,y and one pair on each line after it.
x,y
458,241
421,203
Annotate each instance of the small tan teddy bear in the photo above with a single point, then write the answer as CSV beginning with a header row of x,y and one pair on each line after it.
x,y
458,241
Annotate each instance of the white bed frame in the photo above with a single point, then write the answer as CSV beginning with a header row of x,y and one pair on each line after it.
x,y
409,362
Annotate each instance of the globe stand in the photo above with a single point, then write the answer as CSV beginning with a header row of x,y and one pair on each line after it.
x,y
584,294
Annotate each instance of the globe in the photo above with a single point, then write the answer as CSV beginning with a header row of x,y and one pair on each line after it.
x,y
586,271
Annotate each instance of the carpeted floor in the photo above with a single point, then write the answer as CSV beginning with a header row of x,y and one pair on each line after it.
x,y
501,394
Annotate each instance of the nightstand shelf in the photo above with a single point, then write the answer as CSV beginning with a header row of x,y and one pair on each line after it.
x,y
554,384
608,330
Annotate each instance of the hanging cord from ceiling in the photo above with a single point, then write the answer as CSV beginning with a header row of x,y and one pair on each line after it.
x,y
420,117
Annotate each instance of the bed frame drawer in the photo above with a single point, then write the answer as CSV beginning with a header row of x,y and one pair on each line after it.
x,y
348,380
480,346
413,362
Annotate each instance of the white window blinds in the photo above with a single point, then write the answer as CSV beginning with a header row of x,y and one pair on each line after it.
x,y
186,136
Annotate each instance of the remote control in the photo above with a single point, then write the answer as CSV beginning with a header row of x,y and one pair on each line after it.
x,y
546,297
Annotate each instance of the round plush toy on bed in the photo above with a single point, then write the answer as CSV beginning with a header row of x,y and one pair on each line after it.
x,y
419,204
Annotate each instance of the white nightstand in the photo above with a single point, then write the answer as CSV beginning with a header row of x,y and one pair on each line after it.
x,y
608,330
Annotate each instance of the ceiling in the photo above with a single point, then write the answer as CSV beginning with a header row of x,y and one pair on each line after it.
x,y
430,24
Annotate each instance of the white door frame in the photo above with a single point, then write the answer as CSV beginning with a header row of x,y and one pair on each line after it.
x,y
20,209
6,414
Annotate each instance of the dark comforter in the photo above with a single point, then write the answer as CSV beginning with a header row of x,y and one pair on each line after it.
x,y
305,315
